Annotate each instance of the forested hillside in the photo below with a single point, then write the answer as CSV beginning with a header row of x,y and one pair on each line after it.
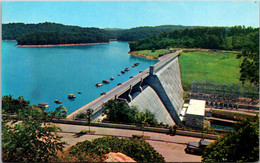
x,y
52,33
137,33
91,35
233,38
43,33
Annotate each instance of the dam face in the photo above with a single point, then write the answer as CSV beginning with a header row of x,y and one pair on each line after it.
x,y
164,95
148,99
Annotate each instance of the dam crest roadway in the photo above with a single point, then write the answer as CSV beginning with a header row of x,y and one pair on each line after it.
x,y
161,82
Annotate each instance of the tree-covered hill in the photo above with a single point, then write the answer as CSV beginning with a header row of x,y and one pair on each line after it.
x,y
233,38
90,35
13,31
51,33
137,33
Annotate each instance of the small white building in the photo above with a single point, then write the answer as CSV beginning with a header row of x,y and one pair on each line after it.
x,y
195,113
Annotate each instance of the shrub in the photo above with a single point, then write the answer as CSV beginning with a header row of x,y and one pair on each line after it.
x,y
139,150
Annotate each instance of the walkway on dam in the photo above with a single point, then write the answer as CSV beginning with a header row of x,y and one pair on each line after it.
x,y
117,91
171,147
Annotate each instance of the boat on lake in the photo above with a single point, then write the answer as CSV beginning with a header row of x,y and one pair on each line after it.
x,y
71,96
99,84
112,78
106,81
126,69
57,102
135,64
122,71
43,105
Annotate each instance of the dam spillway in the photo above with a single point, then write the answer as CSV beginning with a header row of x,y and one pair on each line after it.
x,y
164,83
148,99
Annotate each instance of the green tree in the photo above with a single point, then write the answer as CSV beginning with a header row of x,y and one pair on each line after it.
x,y
88,117
119,112
29,141
24,136
139,150
60,112
12,105
242,145
144,119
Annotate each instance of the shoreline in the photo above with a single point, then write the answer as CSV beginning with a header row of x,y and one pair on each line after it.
x,y
141,55
53,45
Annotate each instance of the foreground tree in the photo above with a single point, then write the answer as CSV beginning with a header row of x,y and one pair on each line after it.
x,y
95,150
242,145
24,135
14,106
28,140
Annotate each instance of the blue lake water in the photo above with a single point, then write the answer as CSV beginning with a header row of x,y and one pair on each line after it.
x,y
223,127
46,74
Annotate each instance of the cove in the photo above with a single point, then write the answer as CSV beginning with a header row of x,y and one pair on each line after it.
x,y
46,74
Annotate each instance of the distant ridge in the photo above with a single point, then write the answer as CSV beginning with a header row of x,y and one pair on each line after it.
x,y
18,31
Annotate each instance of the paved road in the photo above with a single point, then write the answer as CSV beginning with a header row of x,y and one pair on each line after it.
x,y
97,103
171,147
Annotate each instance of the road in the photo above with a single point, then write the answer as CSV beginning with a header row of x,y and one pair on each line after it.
x,y
171,147
97,103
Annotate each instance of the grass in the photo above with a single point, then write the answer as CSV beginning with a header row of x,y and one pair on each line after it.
x,y
232,115
154,54
209,66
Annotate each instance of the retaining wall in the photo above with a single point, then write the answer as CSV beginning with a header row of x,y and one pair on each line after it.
x,y
133,127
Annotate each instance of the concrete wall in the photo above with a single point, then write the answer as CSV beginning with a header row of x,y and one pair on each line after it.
x,y
194,120
167,84
148,99
132,127
170,77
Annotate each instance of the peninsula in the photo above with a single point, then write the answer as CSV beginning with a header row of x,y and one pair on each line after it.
x,y
53,34
65,37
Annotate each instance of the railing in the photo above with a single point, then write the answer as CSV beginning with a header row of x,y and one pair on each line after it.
x,y
158,66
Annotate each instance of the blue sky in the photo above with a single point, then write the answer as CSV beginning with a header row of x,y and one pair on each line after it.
x,y
127,14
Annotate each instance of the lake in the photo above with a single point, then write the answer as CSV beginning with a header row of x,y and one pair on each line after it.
x,y
46,74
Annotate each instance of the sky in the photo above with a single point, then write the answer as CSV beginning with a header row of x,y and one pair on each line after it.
x,y
128,14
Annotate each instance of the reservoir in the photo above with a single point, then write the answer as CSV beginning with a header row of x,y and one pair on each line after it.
x,y
46,74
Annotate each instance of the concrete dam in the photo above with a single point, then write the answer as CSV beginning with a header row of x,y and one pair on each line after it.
x,y
158,89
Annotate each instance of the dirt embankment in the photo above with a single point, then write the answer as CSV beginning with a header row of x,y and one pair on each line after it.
x,y
142,55
61,44
118,157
